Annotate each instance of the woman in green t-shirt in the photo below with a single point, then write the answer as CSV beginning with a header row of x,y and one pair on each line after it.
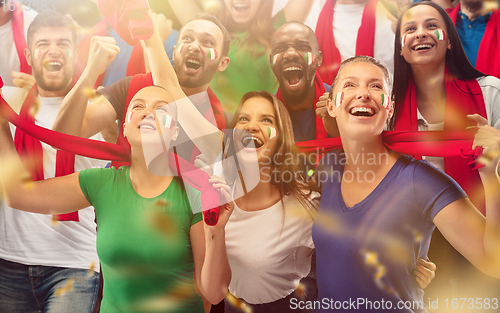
x,y
150,239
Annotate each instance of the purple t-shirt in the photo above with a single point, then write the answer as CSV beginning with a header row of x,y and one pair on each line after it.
x,y
368,252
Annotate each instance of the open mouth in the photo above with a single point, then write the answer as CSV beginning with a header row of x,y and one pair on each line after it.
x,y
422,47
252,142
193,64
240,7
146,126
293,75
53,66
362,111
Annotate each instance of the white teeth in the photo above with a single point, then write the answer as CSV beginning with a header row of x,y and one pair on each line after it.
x,y
55,63
361,109
422,47
258,140
240,6
193,61
146,126
292,68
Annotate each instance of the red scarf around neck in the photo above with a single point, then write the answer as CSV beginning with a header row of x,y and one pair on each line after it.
x,y
196,178
487,60
18,33
462,98
143,80
324,32
135,63
319,90
30,150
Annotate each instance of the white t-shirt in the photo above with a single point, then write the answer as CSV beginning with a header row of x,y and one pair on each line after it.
x,y
33,239
490,86
269,250
10,60
346,23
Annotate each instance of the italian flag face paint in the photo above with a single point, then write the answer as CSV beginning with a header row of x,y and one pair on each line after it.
x,y
339,97
167,121
403,41
275,58
308,57
68,53
211,53
385,100
179,46
128,117
271,131
439,34
37,54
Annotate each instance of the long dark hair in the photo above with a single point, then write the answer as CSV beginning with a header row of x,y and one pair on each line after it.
x,y
285,148
456,61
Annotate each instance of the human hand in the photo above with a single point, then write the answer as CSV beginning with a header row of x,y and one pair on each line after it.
x,y
227,208
102,51
425,271
488,138
22,79
163,25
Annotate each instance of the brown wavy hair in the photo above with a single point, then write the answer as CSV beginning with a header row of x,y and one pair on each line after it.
x,y
285,147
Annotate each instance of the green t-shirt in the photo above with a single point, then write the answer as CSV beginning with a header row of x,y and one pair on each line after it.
x,y
245,72
143,243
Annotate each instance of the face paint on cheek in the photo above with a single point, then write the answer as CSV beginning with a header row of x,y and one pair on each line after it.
x,y
37,54
275,58
179,46
212,53
128,117
339,97
439,34
68,53
403,41
309,58
271,131
385,100
167,121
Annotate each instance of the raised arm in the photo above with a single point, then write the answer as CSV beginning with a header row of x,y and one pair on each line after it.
x,y
52,196
193,123
297,10
77,116
184,10
477,238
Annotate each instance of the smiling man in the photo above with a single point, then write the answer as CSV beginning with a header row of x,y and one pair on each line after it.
x,y
59,256
201,51
294,59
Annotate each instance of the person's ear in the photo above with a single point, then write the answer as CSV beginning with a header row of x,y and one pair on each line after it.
x,y
319,59
175,133
330,108
27,55
390,110
224,63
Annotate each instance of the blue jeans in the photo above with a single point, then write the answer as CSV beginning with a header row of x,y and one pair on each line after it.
x,y
37,289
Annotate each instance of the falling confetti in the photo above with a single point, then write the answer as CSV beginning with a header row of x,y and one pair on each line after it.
x,y
69,286
371,259
238,303
92,267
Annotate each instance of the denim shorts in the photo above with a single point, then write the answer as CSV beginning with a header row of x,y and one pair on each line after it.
x,y
30,289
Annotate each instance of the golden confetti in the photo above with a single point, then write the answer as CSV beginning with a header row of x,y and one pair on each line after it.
x,y
371,259
211,6
34,108
162,203
166,302
163,223
238,303
54,221
69,286
89,92
301,290
92,267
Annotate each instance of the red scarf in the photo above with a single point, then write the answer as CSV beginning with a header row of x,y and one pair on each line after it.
x,y
142,80
18,33
319,91
129,18
30,150
324,31
195,177
135,63
487,60
462,98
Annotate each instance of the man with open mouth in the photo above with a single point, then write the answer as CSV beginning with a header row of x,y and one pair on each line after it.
x,y
56,251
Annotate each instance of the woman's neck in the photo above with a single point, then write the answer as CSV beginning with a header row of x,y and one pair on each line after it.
x,y
430,91
263,196
145,183
367,155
